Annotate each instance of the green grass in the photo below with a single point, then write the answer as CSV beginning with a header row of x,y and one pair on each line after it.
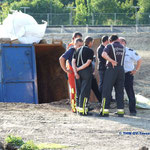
x,y
30,145
16,141
51,146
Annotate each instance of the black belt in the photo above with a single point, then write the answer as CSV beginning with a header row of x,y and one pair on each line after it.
x,y
128,72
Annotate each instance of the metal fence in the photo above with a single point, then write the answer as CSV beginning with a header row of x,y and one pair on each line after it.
x,y
93,19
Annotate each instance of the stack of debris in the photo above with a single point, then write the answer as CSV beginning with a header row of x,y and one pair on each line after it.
x,y
8,41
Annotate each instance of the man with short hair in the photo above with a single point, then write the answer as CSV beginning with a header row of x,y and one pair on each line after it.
x,y
75,35
67,56
130,70
83,72
70,75
102,64
114,76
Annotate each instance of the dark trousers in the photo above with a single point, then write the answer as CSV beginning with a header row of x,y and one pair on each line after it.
x,y
114,77
95,89
101,81
130,91
83,86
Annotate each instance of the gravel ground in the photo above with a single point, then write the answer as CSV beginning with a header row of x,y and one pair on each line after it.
x,y
55,123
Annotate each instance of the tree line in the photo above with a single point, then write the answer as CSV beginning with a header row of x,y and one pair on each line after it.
x,y
84,10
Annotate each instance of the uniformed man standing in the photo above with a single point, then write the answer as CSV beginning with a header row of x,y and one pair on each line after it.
x,y
102,64
67,56
70,75
114,76
75,35
82,65
130,58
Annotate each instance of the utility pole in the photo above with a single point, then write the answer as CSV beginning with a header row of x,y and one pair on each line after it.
x,y
136,15
51,13
25,9
71,7
115,18
93,19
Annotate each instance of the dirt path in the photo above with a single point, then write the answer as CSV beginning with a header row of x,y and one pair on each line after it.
x,y
56,124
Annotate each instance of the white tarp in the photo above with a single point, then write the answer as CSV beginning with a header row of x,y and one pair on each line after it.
x,y
142,102
23,27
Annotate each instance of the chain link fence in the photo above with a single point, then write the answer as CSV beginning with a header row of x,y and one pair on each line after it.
x,y
94,19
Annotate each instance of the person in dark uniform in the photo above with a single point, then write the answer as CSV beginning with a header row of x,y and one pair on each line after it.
x,y
67,58
82,65
130,70
94,82
114,76
102,63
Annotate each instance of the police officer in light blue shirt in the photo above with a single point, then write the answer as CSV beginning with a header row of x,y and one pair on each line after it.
x,y
130,70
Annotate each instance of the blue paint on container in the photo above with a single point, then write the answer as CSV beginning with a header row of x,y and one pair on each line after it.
x,y
18,77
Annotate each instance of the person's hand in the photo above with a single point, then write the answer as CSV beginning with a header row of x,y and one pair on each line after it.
x,y
77,69
77,76
114,63
68,71
133,72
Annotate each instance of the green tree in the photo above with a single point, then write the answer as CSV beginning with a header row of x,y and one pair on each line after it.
x,y
128,10
144,6
89,7
16,5
39,8
134,1
104,11
144,11
10,1
105,6
81,13
66,2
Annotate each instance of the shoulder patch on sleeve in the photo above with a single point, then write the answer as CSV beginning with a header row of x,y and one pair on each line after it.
x,y
130,49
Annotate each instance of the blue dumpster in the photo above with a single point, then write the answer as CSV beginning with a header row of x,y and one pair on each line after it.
x,y
32,73
18,78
